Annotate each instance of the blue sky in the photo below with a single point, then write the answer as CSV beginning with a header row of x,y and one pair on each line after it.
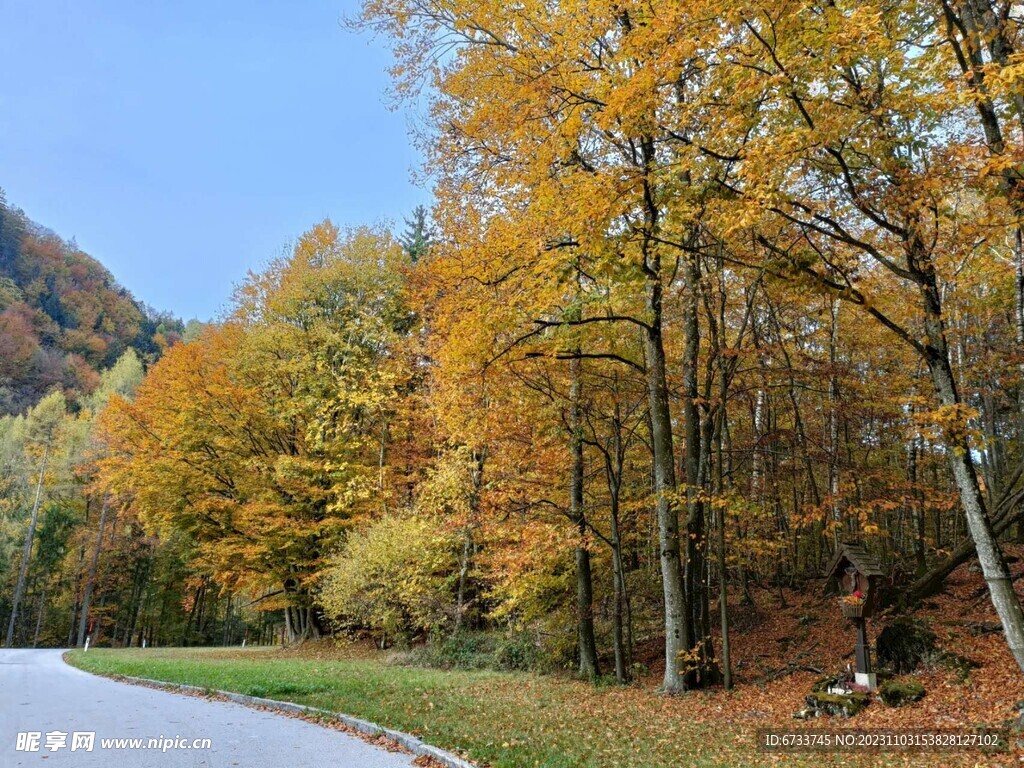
x,y
184,143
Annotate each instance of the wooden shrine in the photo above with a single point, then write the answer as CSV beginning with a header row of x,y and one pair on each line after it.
x,y
857,574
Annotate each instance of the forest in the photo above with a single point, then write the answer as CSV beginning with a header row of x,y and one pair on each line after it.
x,y
706,290
63,317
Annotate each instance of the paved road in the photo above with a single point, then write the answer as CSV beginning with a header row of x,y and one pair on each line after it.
x,y
40,693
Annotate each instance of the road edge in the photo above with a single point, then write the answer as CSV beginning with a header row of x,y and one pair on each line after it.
x,y
407,741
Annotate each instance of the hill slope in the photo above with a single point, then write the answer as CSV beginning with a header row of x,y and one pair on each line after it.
x,y
63,317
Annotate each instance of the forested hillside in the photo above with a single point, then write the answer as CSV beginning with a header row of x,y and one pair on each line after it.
x,y
63,317
70,338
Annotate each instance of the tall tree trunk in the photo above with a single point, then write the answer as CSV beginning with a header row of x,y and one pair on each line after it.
x,y
916,507
614,453
133,601
460,592
465,559
622,620
141,606
993,564
620,615
312,628
27,552
991,458
833,425
193,615
722,418
1018,249
288,629
676,625
74,624
977,26
677,630
39,618
91,579
77,585
98,629
588,666
723,606
702,669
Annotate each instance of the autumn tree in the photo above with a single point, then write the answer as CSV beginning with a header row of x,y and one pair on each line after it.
x,y
266,436
40,427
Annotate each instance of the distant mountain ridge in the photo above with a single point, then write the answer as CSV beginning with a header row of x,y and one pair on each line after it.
x,y
63,316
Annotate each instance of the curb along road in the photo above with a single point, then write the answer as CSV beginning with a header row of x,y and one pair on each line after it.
x,y
408,741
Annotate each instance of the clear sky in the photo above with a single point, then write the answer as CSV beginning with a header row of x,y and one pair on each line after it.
x,y
183,143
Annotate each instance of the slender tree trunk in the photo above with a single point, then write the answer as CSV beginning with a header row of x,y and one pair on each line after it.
x,y
74,624
142,604
77,584
723,591
977,27
1018,249
194,614
676,626
723,606
312,629
622,631
133,602
833,425
619,616
200,613
916,507
288,630
91,579
39,618
465,559
991,458
460,595
757,457
588,666
26,552
227,622
993,564
702,669
98,629
677,630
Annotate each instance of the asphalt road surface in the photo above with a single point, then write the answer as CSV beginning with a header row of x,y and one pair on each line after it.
x,y
40,694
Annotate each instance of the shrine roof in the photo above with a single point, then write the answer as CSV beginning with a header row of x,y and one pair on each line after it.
x,y
858,556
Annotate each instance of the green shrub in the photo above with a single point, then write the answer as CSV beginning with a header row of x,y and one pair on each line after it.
x,y
386,579
517,652
463,650
504,652
897,692
466,650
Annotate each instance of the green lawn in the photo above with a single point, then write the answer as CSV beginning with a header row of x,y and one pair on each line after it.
x,y
505,720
